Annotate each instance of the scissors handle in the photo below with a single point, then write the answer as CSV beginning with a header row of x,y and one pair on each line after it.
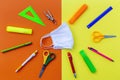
x,y
97,36
97,39
45,55
97,33
50,58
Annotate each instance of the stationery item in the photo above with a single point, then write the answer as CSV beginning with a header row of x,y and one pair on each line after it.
x,y
71,63
78,13
50,16
88,61
19,30
97,36
61,38
99,17
26,61
34,18
15,47
99,53
48,57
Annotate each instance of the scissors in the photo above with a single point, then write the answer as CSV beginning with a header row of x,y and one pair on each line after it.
x,y
50,16
97,36
48,57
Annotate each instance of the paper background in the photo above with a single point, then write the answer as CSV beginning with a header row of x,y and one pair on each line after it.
x,y
109,24
9,61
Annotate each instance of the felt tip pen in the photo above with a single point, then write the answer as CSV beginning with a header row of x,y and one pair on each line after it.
x,y
97,52
71,63
15,47
99,17
27,60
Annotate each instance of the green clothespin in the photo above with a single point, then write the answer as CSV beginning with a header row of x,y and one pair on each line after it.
x,y
34,19
87,61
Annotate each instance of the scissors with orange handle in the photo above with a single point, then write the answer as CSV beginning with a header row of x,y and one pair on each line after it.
x,y
48,57
97,36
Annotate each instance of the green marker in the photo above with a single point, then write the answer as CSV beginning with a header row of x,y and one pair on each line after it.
x,y
87,61
18,30
15,47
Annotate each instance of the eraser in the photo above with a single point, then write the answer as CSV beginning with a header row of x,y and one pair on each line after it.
x,y
18,30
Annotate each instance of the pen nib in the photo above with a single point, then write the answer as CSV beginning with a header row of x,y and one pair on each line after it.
x,y
75,75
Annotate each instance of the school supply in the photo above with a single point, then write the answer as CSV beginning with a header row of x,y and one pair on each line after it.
x,y
99,53
50,16
48,57
71,63
97,36
61,38
15,47
18,30
87,61
99,17
78,13
26,61
35,18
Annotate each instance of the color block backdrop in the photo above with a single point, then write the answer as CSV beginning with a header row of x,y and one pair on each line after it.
x,y
58,70
9,61
109,24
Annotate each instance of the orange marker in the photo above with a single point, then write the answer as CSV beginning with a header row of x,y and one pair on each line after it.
x,y
78,14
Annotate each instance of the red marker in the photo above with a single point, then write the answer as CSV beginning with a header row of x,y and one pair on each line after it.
x,y
71,63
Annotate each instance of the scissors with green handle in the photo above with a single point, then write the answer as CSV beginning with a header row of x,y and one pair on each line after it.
x,y
97,36
48,57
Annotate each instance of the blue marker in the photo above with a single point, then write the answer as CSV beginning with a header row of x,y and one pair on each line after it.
x,y
99,17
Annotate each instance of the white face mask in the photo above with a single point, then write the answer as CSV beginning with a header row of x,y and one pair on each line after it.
x,y
61,38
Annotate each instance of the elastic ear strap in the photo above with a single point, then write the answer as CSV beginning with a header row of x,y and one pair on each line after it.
x,y
42,45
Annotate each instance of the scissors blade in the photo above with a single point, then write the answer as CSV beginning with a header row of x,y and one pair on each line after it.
x,y
42,70
109,36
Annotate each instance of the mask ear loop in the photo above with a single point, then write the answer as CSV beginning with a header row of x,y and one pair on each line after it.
x,y
42,45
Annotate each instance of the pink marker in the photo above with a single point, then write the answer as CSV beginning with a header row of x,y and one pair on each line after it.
x,y
92,49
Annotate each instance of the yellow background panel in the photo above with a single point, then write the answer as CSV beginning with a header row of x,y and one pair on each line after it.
x,y
109,24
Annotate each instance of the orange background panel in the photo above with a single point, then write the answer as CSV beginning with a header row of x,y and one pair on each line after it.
x,y
9,61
